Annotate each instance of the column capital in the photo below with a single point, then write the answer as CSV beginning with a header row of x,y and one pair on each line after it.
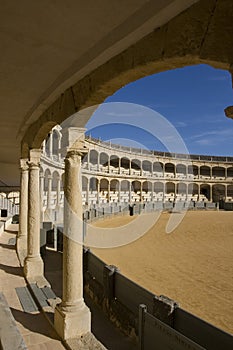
x,y
78,151
33,164
24,164
34,155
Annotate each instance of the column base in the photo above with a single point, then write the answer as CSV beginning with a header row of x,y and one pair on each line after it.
x,y
72,323
21,248
34,269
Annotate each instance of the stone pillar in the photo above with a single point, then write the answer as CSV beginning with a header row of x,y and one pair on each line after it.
x,y
58,193
51,144
211,193
87,193
41,198
33,265
130,190
98,191
225,173
130,167
49,193
23,212
211,172
109,188
72,316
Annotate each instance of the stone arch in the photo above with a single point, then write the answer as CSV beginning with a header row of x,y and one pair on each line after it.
x,y
93,157
47,174
169,168
136,186
181,188
104,158
230,191
158,187
55,180
181,169
84,183
136,166
218,172
219,192
146,166
194,36
170,188
147,186
230,172
158,168
125,185
114,185
205,171
93,184
104,184
56,141
193,189
205,190
114,161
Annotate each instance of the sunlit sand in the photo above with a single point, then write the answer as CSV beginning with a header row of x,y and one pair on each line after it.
x,y
192,265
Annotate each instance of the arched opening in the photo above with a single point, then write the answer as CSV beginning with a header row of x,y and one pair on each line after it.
x,y
104,159
229,193
136,191
205,172
147,168
204,192
135,167
169,170
193,192
147,191
93,159
125,166
114,191
56,142
158,169
114,164
218,172
181,191
181,170
124,191
230,172
219,193
170,191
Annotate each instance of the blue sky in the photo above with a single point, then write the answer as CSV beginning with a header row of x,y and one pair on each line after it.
x,y
152,112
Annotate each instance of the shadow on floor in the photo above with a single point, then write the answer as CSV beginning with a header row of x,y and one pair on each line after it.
x,y
7,246
17,271
36,323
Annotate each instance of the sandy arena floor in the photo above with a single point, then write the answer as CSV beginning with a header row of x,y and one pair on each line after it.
x,y
192,265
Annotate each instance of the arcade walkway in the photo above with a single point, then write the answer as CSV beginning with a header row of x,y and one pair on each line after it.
x,y
34,327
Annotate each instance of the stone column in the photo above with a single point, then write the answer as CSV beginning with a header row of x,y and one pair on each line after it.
x,y
211,193
87,193
58,193
109,188
41,198
33,265
49,193
130,194
72,316
23,212
51,144
98,191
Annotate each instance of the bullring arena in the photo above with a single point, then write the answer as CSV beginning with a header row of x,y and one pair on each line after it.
x,y
192,265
